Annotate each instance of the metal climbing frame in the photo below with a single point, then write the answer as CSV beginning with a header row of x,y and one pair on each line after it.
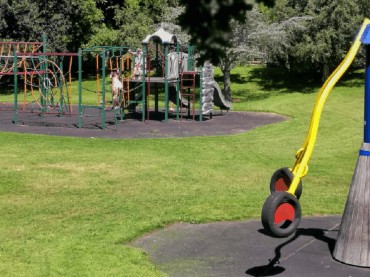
x,y
53,85
43,77
107,58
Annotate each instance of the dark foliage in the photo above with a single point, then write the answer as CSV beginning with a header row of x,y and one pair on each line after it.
x,y
208,22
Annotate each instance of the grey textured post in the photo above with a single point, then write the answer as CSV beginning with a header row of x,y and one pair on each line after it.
x,y
353,243
352,246
207,89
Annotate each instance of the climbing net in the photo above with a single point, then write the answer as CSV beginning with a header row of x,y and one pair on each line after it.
x,y
47,83
40,74
7,50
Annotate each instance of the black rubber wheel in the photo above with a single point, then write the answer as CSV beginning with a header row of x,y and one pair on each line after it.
x,y
281,214
281,180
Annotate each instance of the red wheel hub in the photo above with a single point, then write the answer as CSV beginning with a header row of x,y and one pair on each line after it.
x,y
284,213
280,185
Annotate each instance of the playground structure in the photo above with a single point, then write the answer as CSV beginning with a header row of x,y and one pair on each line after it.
x,y
161,66
46,87
108,59
281,212
164,66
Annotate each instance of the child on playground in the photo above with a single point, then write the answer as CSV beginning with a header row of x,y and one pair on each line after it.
x,y
116,88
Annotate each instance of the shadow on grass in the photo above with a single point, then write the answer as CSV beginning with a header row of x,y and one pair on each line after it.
x,y
353,78
264,82
7,85
282,80
235,78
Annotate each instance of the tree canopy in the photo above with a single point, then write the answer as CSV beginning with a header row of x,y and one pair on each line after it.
x,y
209,23
67,23
303,35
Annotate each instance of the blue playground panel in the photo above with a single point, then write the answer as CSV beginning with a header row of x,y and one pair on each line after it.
x,y
366,35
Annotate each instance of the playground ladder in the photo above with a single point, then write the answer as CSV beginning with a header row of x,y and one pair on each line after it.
x,y
187,89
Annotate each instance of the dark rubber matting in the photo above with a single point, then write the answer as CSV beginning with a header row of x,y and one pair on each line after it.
x,y
222,123
243,249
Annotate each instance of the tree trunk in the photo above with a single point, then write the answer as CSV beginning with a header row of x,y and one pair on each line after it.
x,y
227,90
325,71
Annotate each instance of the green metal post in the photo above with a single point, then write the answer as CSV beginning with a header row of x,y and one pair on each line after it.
x,y
42,82
191,59
15,74
165,82
80,88
44,42
44,67
61,96
103,89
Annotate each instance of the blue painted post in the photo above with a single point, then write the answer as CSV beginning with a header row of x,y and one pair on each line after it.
x,y
367,96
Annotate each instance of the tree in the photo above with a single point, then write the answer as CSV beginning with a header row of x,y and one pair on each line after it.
x,y
137,18
67,23
85,18
212,27
319,37
4,9
108,9
240,48
256,40
328,36
19,20
275,41
169,23
364,8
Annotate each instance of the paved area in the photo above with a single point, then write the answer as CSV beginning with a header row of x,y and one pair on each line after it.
x,y
224,123
235,249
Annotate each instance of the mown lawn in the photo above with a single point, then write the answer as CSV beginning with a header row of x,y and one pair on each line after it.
x,y
70,205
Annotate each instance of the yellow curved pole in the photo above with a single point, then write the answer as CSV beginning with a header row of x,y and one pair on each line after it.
x,y
303,155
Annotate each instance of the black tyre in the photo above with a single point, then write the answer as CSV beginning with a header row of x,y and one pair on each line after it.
x,y
281,181
281,214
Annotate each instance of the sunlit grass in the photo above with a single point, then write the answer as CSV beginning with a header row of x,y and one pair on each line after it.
x,y
70,205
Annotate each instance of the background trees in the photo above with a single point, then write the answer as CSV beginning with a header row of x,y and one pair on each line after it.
x,y
67,23
210,26
328,36
306,36
316,33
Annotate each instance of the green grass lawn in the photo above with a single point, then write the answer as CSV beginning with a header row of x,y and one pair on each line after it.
x,y
70,205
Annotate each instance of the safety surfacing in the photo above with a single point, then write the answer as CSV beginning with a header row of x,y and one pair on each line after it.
x,y
132,125
243,249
